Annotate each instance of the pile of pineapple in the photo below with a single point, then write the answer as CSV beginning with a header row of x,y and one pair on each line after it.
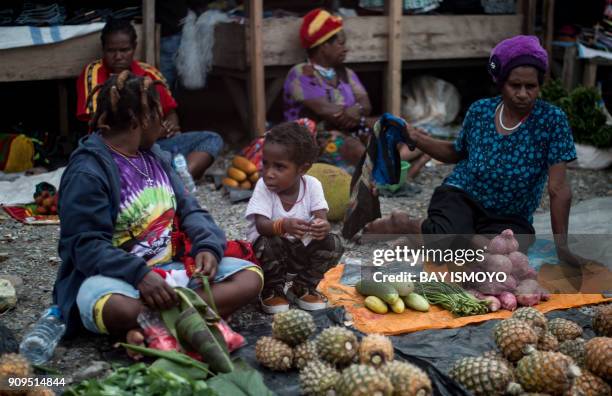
x,y
542,357
13,365
334,362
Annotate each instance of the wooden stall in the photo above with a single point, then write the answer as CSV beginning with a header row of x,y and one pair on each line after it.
x,y
242,52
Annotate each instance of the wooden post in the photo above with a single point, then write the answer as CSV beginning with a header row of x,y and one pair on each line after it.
x,y
550,26
148,30
393,83
589,78
570,69
62,98
256,75
530,17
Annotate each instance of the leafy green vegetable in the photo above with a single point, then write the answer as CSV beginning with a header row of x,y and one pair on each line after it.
x,y
173,356
243,381
140,380
583,107
190,372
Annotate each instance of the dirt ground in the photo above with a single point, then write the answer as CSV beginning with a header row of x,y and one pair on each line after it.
x,y
33,257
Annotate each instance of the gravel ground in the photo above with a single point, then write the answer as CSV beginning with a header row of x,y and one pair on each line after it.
x,y
33,258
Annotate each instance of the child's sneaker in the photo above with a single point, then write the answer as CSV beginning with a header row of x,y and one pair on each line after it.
x,y
274,302
307,299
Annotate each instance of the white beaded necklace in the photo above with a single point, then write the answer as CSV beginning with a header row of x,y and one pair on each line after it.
x,y
501,122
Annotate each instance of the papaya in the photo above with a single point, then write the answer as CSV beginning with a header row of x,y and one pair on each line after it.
x,y
229,182
384,291
254,177
244,165
376,305
246,185
236,174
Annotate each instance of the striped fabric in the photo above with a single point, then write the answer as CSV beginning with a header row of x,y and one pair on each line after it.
x,y
97,73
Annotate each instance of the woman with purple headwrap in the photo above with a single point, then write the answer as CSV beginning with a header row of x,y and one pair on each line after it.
x,y
509,146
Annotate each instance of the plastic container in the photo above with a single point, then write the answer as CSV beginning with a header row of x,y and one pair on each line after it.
x,y
405,165
39,343
157,335
180,166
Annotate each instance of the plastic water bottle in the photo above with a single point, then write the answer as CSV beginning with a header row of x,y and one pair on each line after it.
x,y
39,343
180,166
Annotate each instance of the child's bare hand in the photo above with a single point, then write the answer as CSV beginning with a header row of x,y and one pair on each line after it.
x,y
319,228
296,227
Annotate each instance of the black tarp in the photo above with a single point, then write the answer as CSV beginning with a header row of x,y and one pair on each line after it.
x,y
432,350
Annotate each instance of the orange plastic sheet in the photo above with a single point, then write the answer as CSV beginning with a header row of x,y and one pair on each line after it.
x,y
367,321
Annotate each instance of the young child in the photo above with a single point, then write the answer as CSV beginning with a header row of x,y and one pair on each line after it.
x,y
288,222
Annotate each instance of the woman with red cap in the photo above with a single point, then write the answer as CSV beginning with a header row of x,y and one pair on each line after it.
x,y
508,148
325,90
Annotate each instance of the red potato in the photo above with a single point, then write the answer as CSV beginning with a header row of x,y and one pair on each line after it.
x,y
503,243
520,264
497,263
494,303
492,288
507,301
528,293
476,294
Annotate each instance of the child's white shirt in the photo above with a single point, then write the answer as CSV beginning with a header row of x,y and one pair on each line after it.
x,y
267,203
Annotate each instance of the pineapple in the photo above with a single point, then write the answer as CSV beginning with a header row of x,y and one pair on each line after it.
x,y
532,316
588,384
273,354
564,329
547,342
363,380
484,376
574,349
14,365
513,336
407,379
305,353
293,326
550,372
41,392
318,379
493,354
602,321
337,345
598,357
376,350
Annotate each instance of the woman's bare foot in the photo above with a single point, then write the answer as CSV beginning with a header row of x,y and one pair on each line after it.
x,y
135,337
396,223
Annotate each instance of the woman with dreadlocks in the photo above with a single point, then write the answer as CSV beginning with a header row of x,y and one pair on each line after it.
x,y
119,197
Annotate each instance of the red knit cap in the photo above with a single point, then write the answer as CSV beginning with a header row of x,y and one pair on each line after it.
x,y
318,26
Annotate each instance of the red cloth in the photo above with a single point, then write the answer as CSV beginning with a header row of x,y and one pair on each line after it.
x,y
181,246
97,73
318,26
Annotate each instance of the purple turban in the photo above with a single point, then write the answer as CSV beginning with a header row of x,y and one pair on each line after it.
x,y
514,52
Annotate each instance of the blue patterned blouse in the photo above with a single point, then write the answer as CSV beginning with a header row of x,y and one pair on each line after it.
x,y
507,173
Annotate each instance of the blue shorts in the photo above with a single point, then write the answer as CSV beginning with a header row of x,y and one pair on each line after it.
x,y
189,142
98,286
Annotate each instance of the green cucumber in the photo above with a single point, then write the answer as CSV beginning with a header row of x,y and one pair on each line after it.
x,y
416,302
399,306
376,305
384,291
403,288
